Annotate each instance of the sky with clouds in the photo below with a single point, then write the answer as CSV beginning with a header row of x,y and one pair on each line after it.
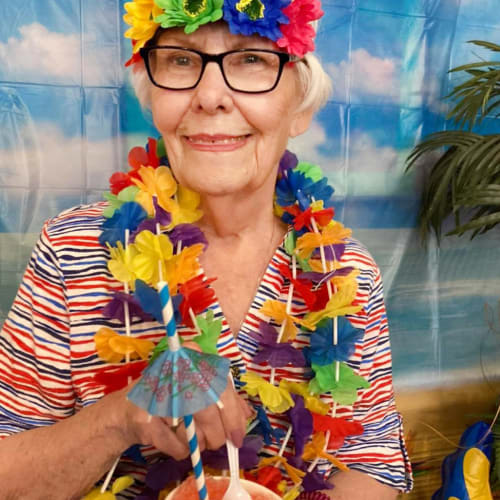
x,y
68,117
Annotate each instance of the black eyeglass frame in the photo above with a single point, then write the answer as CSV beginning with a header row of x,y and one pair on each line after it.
x,y
284,58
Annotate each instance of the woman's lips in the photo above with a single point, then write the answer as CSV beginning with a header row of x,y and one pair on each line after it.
x,y
216,142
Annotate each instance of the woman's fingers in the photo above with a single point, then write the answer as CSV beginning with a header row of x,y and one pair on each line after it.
x,y
171,441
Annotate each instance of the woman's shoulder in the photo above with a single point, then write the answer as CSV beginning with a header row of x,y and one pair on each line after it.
x,y
79,219
357,255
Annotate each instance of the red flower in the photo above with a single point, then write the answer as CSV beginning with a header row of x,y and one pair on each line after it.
x,y
196,295
269,476
303,219
339,428
298,34
119,181
114,379
301,286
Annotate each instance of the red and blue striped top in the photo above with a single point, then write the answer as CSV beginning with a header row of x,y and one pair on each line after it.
x,y
48,358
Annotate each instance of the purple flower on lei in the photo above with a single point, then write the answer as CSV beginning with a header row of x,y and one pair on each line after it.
x,y
248,454
302,423
322,351
166,471
287,162
116,308
276,354
189,234
256,16
162,217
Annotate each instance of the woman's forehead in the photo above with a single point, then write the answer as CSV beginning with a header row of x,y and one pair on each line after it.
x,y
213,33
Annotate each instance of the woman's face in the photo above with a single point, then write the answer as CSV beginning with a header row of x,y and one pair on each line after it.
x,y
220,141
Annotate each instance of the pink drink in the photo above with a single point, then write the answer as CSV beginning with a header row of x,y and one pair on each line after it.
x,y
216,487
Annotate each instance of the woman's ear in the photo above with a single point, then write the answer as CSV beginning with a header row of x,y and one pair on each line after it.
x,y
300,122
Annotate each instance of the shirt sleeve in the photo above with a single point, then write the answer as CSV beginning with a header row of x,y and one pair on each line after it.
x,y
380,451
35,370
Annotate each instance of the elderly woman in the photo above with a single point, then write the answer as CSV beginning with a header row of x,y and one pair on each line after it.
x,y
226,95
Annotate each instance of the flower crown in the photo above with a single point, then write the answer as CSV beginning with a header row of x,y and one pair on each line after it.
x,y
285,22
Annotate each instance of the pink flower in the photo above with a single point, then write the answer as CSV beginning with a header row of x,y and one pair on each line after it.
x,y
298,34
161,393
188,395
166,369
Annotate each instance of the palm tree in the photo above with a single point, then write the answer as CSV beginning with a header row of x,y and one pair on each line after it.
x,y
465,179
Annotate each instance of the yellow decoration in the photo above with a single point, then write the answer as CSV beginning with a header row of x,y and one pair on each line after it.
x,y
340,303
140,16
311,402
476,470
120,263
292,493
295,474
155,182
277,311
181,268
152,252
185,209
120,484
332,234
113,347
275,398
316,448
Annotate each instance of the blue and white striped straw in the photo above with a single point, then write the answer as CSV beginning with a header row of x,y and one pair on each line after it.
x,y
174,345
168,317
194,451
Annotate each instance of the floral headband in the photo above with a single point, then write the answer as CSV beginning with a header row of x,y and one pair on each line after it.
x,y
285,22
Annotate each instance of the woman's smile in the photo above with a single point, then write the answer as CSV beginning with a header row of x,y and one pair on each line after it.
x,y
216,142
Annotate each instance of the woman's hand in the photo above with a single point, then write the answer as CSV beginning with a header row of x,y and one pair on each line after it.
x,y
213,425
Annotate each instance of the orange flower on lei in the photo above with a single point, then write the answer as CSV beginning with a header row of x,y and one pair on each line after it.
x,y
113,347
332,234
317,448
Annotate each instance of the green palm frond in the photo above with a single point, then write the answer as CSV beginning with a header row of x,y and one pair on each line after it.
x,y
464,181
478,96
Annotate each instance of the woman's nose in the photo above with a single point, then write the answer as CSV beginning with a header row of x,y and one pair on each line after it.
x,y
212,94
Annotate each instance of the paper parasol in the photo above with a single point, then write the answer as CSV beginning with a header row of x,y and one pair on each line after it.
x,y
181,381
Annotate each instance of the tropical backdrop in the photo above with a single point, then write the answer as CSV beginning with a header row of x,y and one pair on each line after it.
x,y
68,118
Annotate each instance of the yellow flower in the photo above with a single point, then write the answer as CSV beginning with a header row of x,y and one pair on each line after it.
x,y
120,263
295,474
332,234
292,493
277,399
317,448
140,16
153,252
185,209
277,311
158,182
311,402
113,347
182,267
118,485
340,304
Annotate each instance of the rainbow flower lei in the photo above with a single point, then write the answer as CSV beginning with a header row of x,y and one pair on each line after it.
x,y
150,233
283,21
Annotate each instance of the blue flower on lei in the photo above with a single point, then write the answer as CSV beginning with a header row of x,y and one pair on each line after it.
x,y
128,216
322,351
247,17
295,186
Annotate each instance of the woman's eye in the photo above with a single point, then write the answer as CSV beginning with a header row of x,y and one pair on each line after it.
x,y
251,59
181,61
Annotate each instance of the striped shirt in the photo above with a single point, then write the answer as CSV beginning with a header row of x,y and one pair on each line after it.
x,y
48,356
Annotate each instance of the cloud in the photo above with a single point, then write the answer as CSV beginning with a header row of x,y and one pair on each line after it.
x,y
367,74
44,158
41,55
369,169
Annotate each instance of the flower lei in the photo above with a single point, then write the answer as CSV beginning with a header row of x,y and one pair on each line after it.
x,y
150,234
283,21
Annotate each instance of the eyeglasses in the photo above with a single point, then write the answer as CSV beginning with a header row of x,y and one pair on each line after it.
x,y
252,71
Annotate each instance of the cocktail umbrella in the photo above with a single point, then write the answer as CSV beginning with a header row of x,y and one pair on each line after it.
x,y
180,382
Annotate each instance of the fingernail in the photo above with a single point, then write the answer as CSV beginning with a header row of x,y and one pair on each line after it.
x,y
237,438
